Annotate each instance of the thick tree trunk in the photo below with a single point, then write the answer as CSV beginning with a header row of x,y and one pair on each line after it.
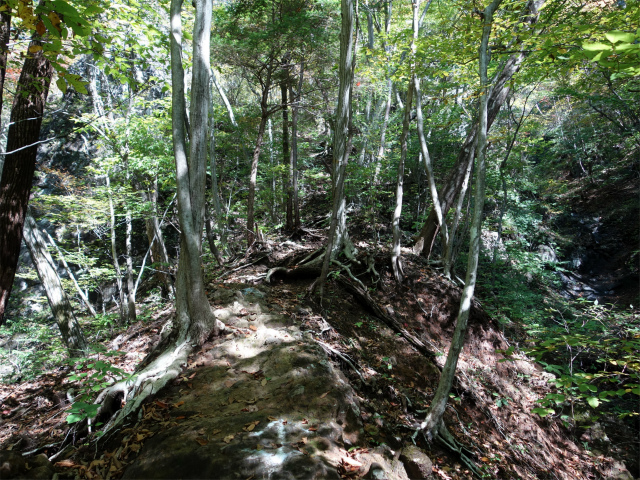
x,y
433,423
342,136
497,95
58,300
194,317
20,162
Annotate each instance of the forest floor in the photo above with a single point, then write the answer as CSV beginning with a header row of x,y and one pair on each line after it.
x,y
253,400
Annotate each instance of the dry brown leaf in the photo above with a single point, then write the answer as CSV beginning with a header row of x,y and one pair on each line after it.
x,y
324,394
135,447
181,417
66,464
304,440
192,375
351,462
313,429
179,404
253,328
202,441
249,427
228,438
190,385
139,437
162,404
215,432
263,382
271,419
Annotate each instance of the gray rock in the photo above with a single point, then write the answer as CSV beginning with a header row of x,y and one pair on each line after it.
x,y
417,464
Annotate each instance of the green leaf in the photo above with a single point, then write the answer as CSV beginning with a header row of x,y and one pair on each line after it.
x,y
62,85
617,36
75,417
593,402
596,47
543,412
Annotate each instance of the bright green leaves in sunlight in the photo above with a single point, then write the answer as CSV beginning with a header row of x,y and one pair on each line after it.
x,y
620,52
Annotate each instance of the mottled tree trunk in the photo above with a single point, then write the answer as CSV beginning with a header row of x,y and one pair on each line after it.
x,y
342,136
20,162
293,163
58,300
5,31
433,421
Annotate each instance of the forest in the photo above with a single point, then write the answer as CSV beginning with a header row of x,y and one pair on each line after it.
x,y
320,239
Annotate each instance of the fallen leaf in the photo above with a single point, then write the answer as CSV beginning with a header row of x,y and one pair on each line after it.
x,y
161,404
202,441
192,375
215,432
304,440
351,462
249,428
176,405
484,459
313,429
181,417
263,382
139,437
190,385
259,447
284,422
253,328
324,394
229,383
135,447
271,419
228,438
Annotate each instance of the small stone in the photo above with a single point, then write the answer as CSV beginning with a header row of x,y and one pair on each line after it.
x,y
417,464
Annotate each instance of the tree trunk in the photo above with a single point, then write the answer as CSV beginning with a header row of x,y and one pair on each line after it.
x,y
253,177
396,264
71,275
194,317
383,133
293,163
20,162
286,156
5,31
58,301
342,136
124,304
433,423
497,95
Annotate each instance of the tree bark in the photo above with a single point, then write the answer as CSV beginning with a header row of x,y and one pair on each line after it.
x,y
58,300
5,31
342,135
396,264
286,156
253,176
497,95
293,167
71,275
20,162
124,304
433,422
194,317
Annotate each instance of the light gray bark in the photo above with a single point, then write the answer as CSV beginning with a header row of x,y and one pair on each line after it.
x,y
433,423
62,259
194,317
224,98
396,262
295,98
498,93
58,300
123,306
342,136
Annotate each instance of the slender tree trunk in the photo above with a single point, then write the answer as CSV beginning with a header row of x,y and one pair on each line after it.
x,y
497,95
253,176
224,98
433,423
58,300
383,133
5,31
449,256
20,162
293,163
124,305
396,261
61,258
286,155
342,136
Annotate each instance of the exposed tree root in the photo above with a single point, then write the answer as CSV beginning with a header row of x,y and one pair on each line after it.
x,y
133,392
365,299
332,351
